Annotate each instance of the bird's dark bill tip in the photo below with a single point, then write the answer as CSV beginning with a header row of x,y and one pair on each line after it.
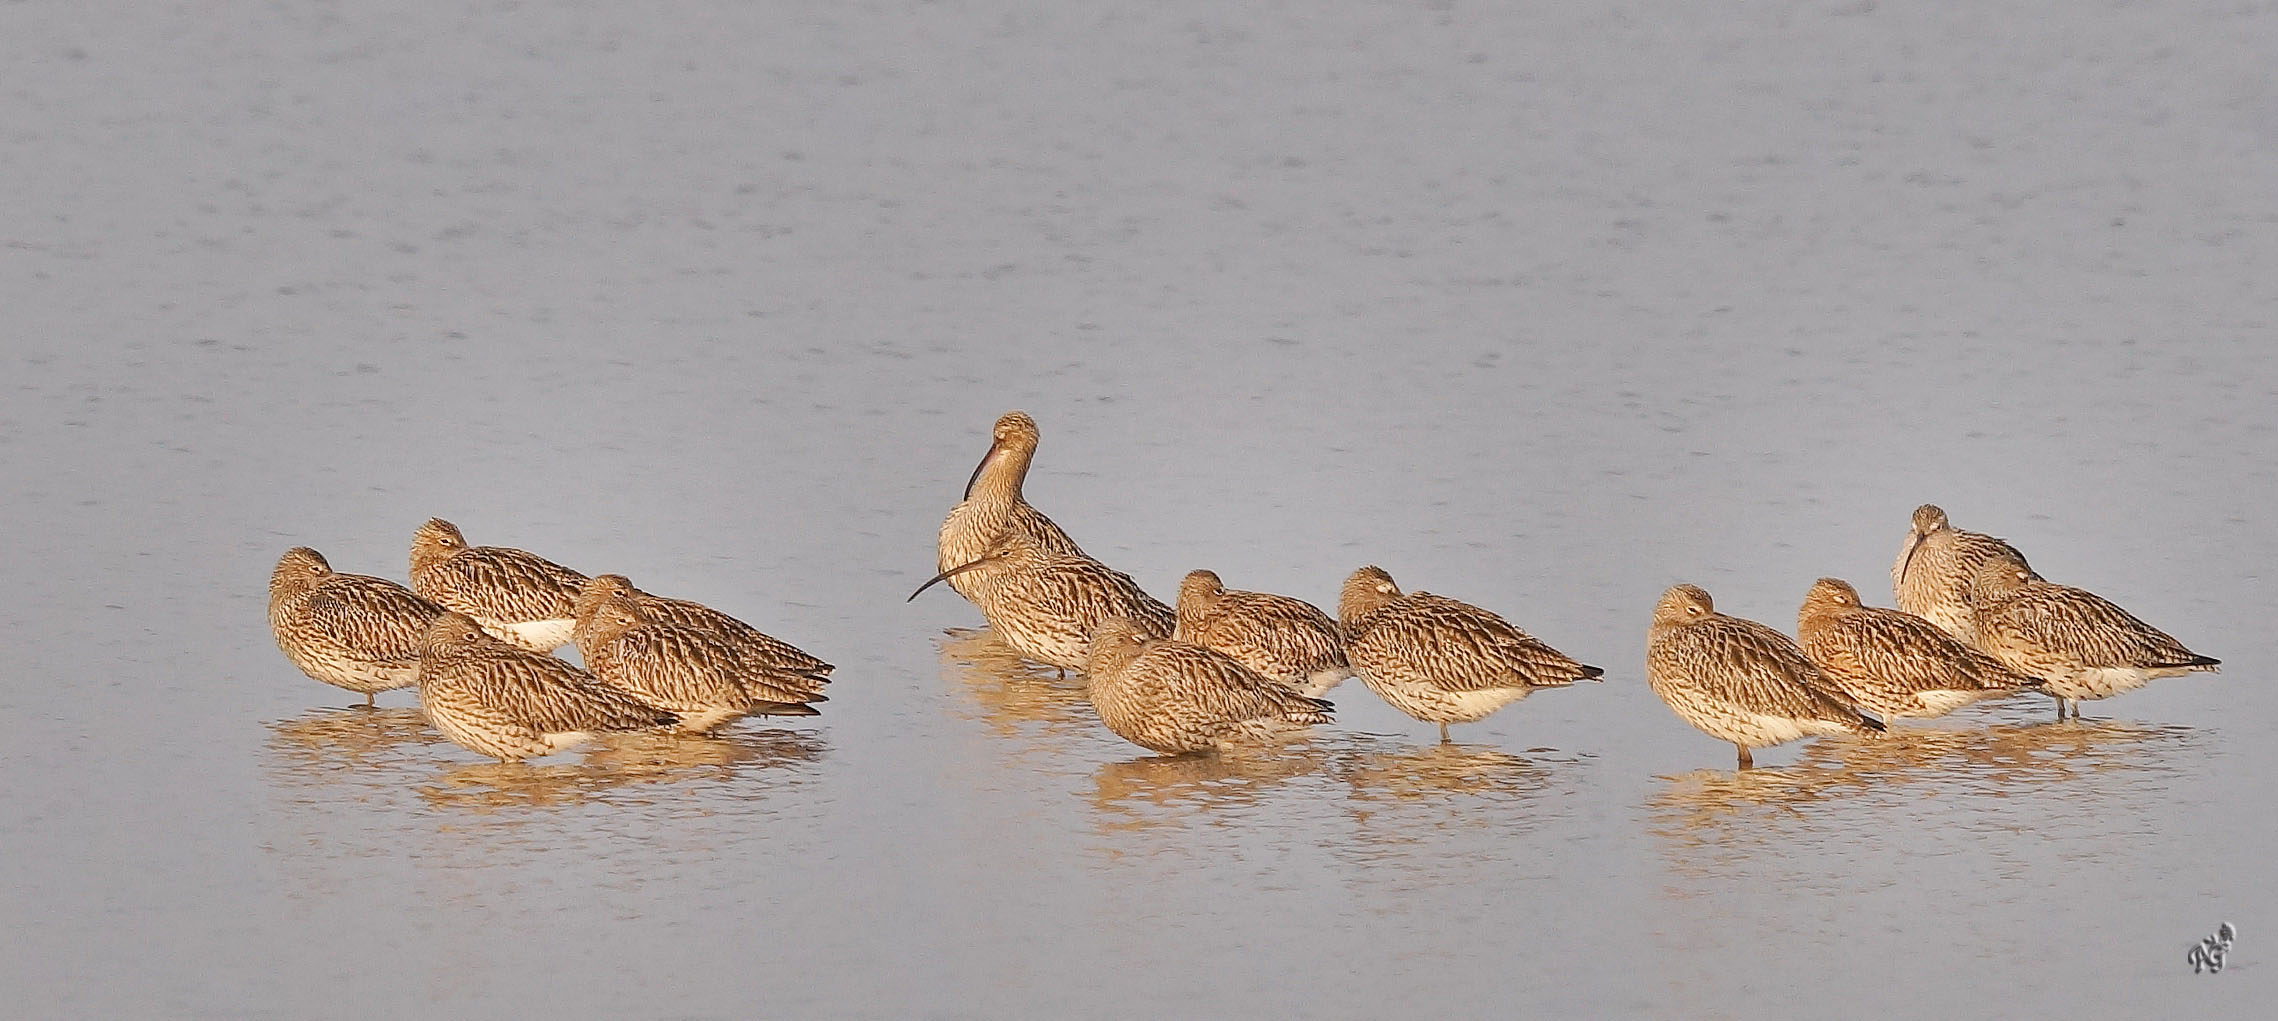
x,y
785,709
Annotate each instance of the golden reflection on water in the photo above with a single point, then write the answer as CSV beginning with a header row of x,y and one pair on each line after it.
x,y
1010,694
1432,812
614,769
1910,771
1125,793
315,745
1429,810
369,753
351,734
1946,817
1349,798
1438,771
1375,773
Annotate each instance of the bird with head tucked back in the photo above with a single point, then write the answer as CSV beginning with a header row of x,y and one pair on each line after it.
x,y
1175,697
1738,680
688,671
517,596
761,648
1284,638
351,631
2083,644
1442,660
509,703
1892,662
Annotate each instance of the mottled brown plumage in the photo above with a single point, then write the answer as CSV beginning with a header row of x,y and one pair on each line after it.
x,y
1174,697
2083,644
517,596
509,703
760,648
1894,663
1441,660
1933,575
1046,604
1738,680
993,503
1286,639
351,631
690,671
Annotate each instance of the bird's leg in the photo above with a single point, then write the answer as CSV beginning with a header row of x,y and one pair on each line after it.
x,y
368,700
1063,672
1746,761
1443,733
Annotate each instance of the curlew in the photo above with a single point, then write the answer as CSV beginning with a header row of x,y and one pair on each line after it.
x,y
2085,645
520,597
1441,660
1046,604
509,703
993,504
1286,639
1738,680
1931,578
1893,663
1175,697
351,631
759,647
704,681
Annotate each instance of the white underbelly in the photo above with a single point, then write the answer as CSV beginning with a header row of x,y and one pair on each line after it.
x,y
534,635
2102,682
1432,704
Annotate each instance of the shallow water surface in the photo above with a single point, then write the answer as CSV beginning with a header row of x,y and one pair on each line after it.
x,y
1542,311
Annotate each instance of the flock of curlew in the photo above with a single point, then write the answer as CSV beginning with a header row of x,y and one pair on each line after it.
x,y
1225,668
474,634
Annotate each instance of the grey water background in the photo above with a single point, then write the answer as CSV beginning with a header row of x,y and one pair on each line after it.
x,y
1545,309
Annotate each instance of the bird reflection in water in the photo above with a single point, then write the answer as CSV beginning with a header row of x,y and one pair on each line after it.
x,y
623,768
1007,692
1425,809
314,746
1230,780
2096,760
1362,799
1439,771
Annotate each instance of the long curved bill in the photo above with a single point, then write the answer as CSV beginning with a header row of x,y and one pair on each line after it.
x,y
942,577
1911,547
976,476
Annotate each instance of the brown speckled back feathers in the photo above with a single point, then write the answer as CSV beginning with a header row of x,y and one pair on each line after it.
x,y
348,630
1892,662
495,585
1277,636
1174,697
762,649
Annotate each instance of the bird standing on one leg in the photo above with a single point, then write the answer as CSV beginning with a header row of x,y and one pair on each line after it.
x,y
1738,680
1442,660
